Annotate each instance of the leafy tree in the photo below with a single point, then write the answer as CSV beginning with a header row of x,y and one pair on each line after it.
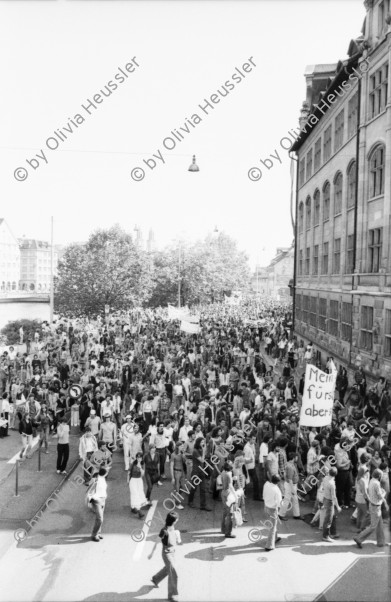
x,y
108,270
207,270
11,330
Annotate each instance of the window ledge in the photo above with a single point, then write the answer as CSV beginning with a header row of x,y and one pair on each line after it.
x,y
376,198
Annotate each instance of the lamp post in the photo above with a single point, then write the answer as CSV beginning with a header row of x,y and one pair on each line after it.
x,y
179,275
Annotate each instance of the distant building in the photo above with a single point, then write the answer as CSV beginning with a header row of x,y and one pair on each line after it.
x,y
9,259
35,265
274,279
260,281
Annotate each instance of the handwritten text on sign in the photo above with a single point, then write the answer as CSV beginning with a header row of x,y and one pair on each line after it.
x,y
318,397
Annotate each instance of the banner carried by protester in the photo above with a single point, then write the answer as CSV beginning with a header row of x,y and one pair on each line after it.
x,y
318,396
190,328
177,313
182,313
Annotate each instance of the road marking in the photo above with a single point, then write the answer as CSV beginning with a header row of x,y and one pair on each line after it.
x,y
17,456
145,528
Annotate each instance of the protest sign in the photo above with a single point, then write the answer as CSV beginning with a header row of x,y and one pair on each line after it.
x,y
318,396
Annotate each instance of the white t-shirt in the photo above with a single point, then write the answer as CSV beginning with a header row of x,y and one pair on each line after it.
x,y
263,451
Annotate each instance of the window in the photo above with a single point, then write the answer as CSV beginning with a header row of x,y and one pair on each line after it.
x,y
346,321
307,260
313,311
316,207
375,249
352,115
298,307
309,164
300,262
338,130
308,213
366,327
306,306
326,202
322,314
351,185
301,172
327,144
376,169
338,194
301,218
318,154
325,258
337,256
349,254
334,318
315,260
387,332
378,86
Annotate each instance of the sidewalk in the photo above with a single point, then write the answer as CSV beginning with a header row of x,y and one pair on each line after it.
x,y
34,487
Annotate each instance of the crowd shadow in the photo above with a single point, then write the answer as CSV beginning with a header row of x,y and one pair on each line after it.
x,y
220,552
124,596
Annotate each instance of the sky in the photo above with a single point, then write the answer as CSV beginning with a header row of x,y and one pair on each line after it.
x,y
55,55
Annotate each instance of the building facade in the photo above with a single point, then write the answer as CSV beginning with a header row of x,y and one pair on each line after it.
x,y
274,279
9,259
35,265
342,281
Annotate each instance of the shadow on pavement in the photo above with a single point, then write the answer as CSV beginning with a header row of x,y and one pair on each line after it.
x,y
125,596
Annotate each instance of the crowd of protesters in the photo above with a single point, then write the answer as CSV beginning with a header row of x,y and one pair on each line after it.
x,y
215,412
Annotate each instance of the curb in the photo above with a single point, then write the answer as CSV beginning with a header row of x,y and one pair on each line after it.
x,y
41,509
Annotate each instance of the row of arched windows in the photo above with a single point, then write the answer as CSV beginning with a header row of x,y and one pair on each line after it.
x,y
310,210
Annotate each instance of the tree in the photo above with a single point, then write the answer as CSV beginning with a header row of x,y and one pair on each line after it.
x,y
11,330
207,269
108,270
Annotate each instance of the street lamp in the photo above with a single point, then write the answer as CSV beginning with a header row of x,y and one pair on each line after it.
x,y
194,166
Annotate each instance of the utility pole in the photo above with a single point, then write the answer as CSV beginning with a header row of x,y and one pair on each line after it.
x,y
51,274
179,275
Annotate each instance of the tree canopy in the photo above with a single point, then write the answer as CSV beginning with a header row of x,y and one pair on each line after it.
x,y
111,270
108,270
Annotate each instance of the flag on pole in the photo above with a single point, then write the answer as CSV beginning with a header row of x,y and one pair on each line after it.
x,y
318,396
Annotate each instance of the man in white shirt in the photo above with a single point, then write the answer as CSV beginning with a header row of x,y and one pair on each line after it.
x,y
98,501
125,436
184,430
272,497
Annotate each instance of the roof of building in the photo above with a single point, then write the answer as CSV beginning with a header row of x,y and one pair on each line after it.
x,y
32,243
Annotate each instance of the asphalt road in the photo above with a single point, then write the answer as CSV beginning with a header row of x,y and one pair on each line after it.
x,y
56,560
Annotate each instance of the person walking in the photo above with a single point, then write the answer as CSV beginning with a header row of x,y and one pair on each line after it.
x,y
330,504
98,502
151,462
199,471
26,430
62,446
136,485
291,499
87,446
228,497
169,537
44,421
272,497
377,497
